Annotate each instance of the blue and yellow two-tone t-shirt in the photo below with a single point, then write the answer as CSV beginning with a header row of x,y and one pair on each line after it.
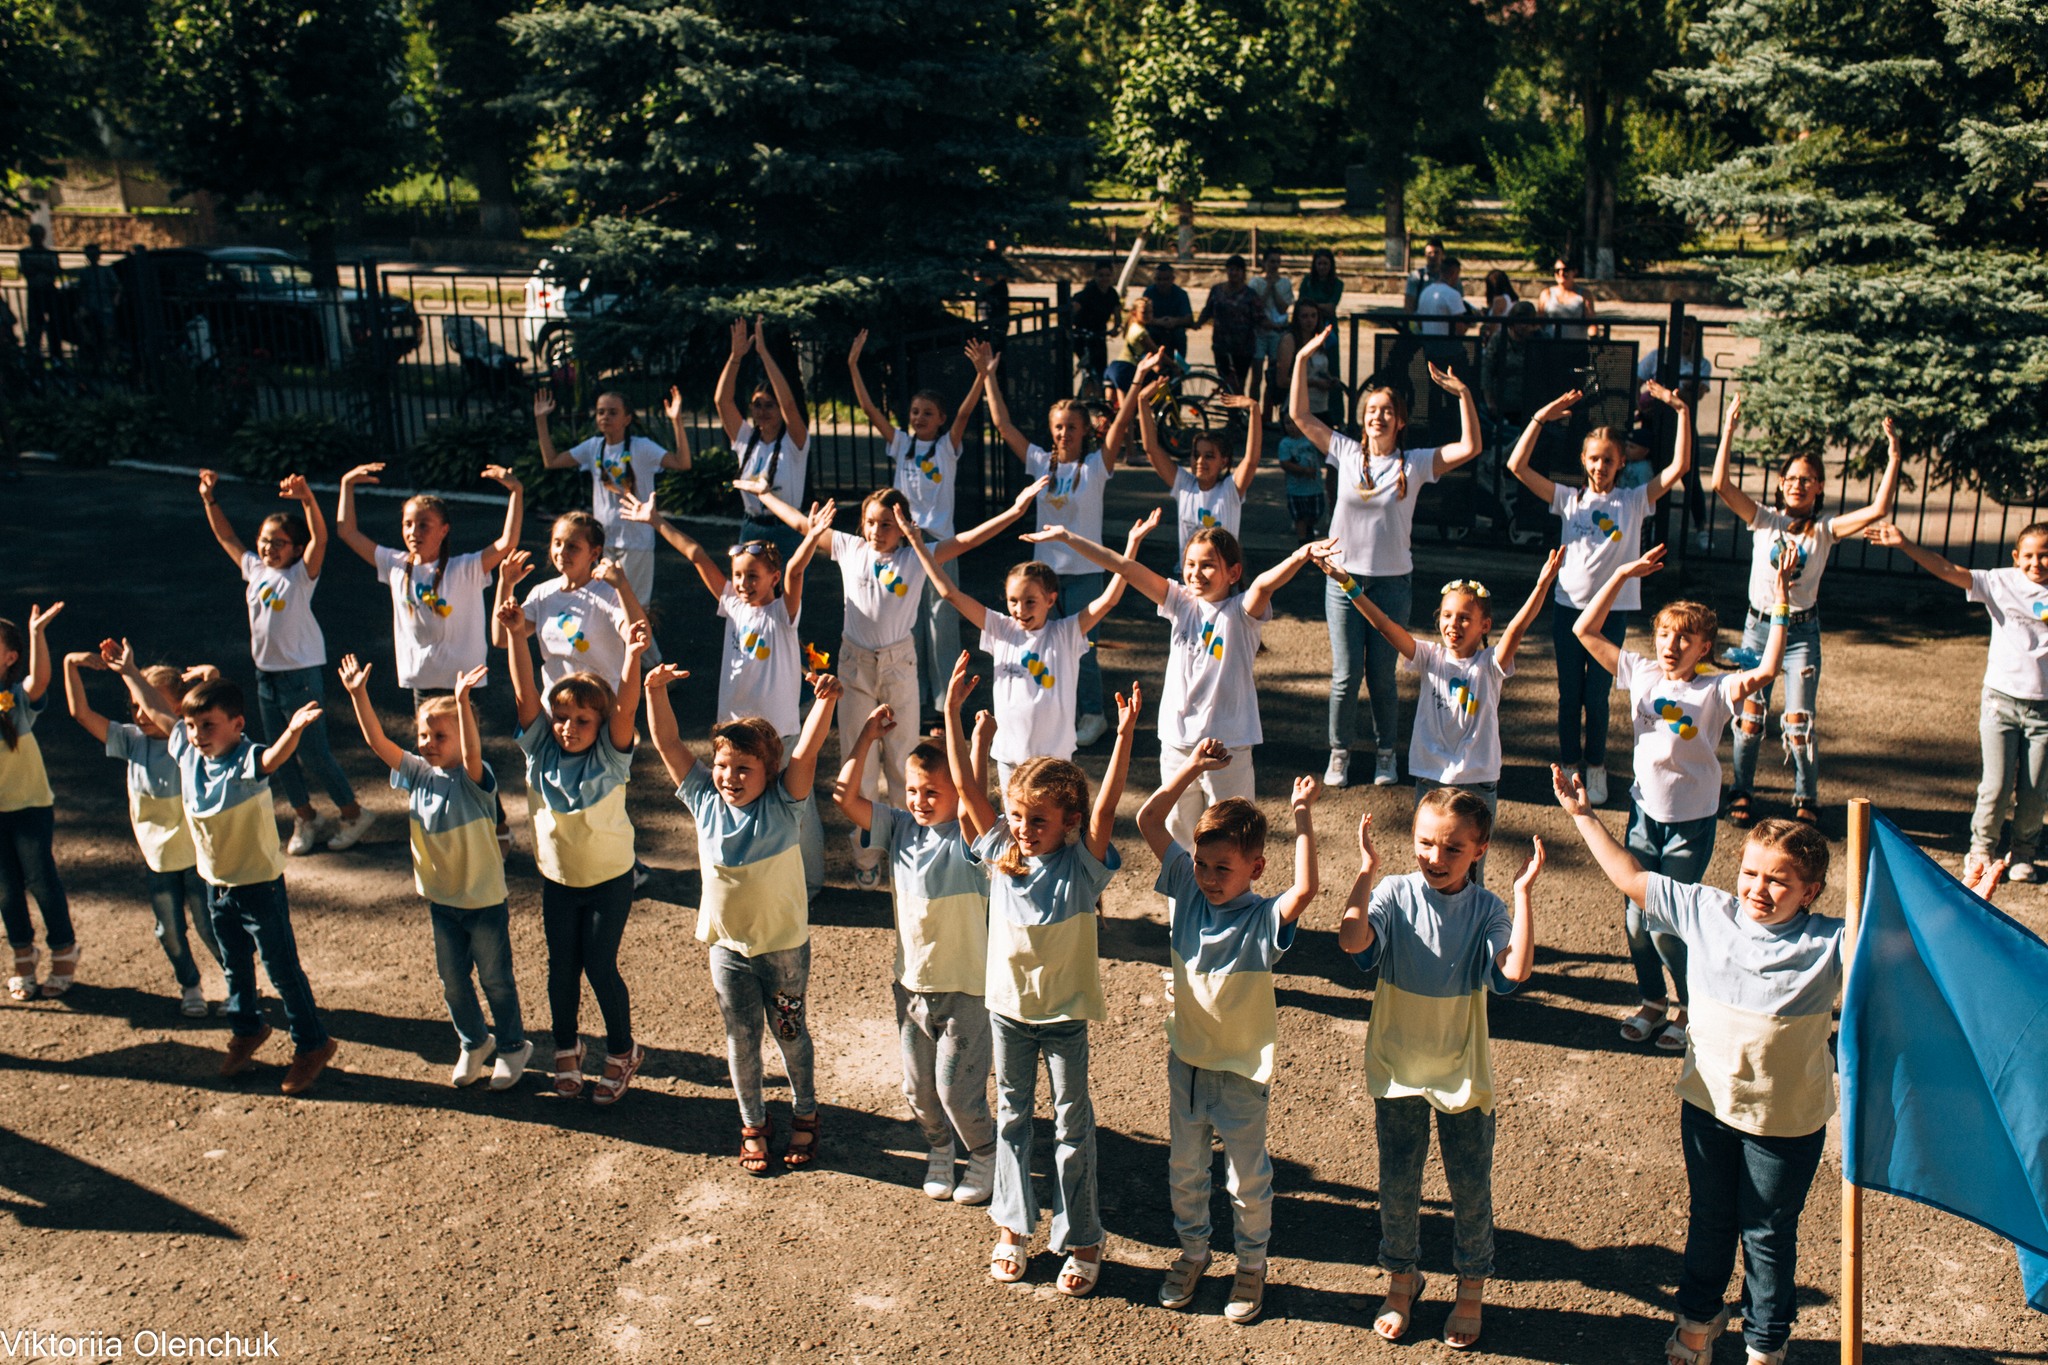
x,y
227,805
581,835
1436,956
24,784
1224,1017
156,806
453,825
941,902
1042,959
751,858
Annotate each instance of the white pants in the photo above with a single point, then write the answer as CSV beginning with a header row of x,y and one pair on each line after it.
x,y
1234,778
878,677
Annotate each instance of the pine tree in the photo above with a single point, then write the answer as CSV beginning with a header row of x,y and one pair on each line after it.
x,y
808,159
1904,146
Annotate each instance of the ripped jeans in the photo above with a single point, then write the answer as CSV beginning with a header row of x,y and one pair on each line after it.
x,y
761,994
1802,687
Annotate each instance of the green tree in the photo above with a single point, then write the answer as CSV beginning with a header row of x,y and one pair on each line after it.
x,y
1901,152
37,101
280,102
469,74
804,158
1192,107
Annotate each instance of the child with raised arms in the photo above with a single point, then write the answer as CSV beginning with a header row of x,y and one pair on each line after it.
x,y
1079,477
451,802
1440,942
1203,498
578,740
290,652
885,584
619,463
582,617
1602,529
156,814
924,460
762,672
1678,712
2012,716
941,904
755,913
1225,939
771,440
1037,655
1210,688
28,815
1456,740
224,780
1044,983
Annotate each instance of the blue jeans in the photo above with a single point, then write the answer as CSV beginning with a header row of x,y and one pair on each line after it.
x,y
1801,673
938,646
1751,1189
1076,1217
28,866
584,926
1360,653
248,920
1076,592
1465,1140
169,894
754,992
278,697
1582,688
482,940
946,1060
1222,1105
1681,851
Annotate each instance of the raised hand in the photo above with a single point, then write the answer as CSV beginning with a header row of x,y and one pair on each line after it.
x,y
1208,756
1236,400
503,476
672,406
1127,710
1552,563
880,721
354,676
295,487
903,522
1043,534
39,618
1788,574
1735,411
1559,407
1306,790
1662,394
825,686
1368,856
632,509
742,338
543,402
822,514
1570,792
756,486
208,481
473,678
304,716
1142,527
984,730
1891,435
961,684
607,570
512,620
515,566
86,658
860,339
639,639
1532,868
1029,493
662,676
118,655
1650,562
1150,362
983,357
197,673
364,473
1448,382
1885,533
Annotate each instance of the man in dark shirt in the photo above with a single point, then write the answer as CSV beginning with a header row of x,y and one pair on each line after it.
x,y
40,269
1232,311
1428,273
1172,311
1096,309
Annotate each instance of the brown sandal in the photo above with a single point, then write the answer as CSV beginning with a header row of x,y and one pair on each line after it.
x,y
1807,815
1739,813
755,1158
796,1157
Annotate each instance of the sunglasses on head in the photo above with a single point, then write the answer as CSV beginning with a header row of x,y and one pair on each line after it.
x,y
752,547
1465,585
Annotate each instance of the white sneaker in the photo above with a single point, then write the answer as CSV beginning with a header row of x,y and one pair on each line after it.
x,y
1387,771
193,1006
2023,872
350,832
511,1066
979,1184
1596,785
469,1068
1338,774
938,1173
1702,540
305,833
868,878
1091,727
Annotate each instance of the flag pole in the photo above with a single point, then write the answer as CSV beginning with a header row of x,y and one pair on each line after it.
x,y
1852,1195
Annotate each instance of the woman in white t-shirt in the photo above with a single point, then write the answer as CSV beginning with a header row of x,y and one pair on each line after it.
x,y
1793,527
278,579
1078,477
1378,483
771,440
924,460
618,462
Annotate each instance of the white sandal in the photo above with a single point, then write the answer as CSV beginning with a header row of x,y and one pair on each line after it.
x,y
1643,1025
22,985
1010,1254
1400,1316
1676,1352
63,967
1087,1272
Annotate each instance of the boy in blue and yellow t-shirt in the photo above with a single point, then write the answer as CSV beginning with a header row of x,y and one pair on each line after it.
x,y
452,801
1225,940
226,781
1440,942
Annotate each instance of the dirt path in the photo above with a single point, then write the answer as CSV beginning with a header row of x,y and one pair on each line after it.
x,y
388,1217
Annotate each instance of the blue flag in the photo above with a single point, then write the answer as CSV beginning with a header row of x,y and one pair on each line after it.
x,y
1944,1053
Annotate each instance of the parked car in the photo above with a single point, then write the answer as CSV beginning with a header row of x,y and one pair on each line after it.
x,y
257,303
552,310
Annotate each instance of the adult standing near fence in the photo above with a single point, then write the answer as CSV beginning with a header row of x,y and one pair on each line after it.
x,y
99,296
1096,311
1231,312
1794,527
771,440
1378,483
1276,302
1423,276
1172,311
1561,299
618,461
1443,304
40,270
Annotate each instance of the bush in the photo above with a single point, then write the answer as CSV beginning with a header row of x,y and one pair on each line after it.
x,y
1437,195
309,443
705,489
90,432
1543,180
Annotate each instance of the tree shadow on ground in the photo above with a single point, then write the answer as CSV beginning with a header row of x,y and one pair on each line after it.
x,y
59,1191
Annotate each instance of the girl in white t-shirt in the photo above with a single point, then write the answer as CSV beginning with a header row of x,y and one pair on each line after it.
x,y
771,439
1210,692
1378,483
438,624
762,669
1073,497
1677,713
290,652
1794,527
618,462
1456,740
1602,530
1202,497
583,616
924,457
885,585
